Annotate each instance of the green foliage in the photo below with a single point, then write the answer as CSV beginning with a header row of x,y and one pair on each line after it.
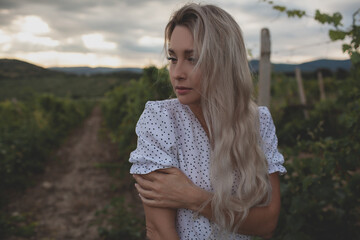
x,y
338,35
295,13
17,225
28,132
290,13
323,18
352,32
279,8
123,221
320,192
123,106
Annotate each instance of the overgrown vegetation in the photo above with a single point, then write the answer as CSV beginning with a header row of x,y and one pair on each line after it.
x,y
29,131
122,108
320,193
38,108
119,220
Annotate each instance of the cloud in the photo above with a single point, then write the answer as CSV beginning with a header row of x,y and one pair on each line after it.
x,y
132,30
96,41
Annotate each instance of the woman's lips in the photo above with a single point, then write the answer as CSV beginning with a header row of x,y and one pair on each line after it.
x,y
182,90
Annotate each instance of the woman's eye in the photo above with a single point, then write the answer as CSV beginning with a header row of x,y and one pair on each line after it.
x,y
192,60
172,59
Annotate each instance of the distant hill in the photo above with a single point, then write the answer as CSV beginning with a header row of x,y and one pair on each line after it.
x,y
12,68
92,71
21,80
332,65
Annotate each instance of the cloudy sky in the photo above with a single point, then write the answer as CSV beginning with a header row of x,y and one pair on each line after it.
x,y
129,33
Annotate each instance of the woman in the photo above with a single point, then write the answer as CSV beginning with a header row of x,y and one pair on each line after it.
x,y
207,163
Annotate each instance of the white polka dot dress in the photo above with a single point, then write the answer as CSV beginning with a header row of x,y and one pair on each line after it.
x,y
169,135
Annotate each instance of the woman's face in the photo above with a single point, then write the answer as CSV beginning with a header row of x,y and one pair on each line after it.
x,y
185,81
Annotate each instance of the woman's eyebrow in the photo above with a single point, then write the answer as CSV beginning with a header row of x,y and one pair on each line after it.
x,y
171,51
186,51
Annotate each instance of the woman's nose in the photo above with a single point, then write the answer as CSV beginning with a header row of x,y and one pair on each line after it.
x,y
179,71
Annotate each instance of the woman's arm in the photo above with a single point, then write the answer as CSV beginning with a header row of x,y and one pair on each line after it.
x,y
261,221
171,188
160,222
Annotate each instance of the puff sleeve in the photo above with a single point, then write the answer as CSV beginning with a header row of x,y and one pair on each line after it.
x,y
156,145
270,142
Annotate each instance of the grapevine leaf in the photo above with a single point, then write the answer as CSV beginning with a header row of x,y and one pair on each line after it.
x,y
355,58
346,47
323,18
279,8
337,35
295,13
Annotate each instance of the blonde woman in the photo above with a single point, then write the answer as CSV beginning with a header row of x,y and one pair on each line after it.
x,y
207,163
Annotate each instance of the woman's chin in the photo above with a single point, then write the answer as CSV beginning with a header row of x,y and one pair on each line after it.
x,y
188,102
183,101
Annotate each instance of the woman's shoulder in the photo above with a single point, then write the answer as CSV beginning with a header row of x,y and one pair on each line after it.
x,y
264,113
164,111
169,105
266,121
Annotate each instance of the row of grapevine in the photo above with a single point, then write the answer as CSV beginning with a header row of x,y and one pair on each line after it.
x,y
320,192
121,109
28,133
123,106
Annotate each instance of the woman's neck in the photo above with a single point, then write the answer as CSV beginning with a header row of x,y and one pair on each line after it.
x,y
196,109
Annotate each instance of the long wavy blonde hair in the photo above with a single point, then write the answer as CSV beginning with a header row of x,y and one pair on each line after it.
x,y
238,168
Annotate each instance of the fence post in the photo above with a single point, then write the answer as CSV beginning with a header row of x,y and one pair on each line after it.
x,y
321,85
301,91
264,69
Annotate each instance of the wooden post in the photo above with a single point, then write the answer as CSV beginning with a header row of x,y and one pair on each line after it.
x,y
321,85
301,91
264,69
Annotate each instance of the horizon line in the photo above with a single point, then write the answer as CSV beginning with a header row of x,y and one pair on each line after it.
x,y
158,66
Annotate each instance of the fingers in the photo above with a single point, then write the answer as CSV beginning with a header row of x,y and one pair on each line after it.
x,y
144,192
150,202
152,176
150,198
143,182
168,170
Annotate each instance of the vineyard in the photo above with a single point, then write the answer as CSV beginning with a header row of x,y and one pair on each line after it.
x,y
29,132
320,192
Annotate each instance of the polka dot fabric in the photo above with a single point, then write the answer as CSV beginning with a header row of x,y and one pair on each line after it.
x,y
169,135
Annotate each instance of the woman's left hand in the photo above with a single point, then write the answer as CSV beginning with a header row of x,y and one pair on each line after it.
x,y
169,188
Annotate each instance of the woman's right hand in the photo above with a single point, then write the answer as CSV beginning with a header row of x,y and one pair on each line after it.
x,y
170,188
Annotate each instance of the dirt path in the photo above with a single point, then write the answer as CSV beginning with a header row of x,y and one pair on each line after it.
x,y
72,189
